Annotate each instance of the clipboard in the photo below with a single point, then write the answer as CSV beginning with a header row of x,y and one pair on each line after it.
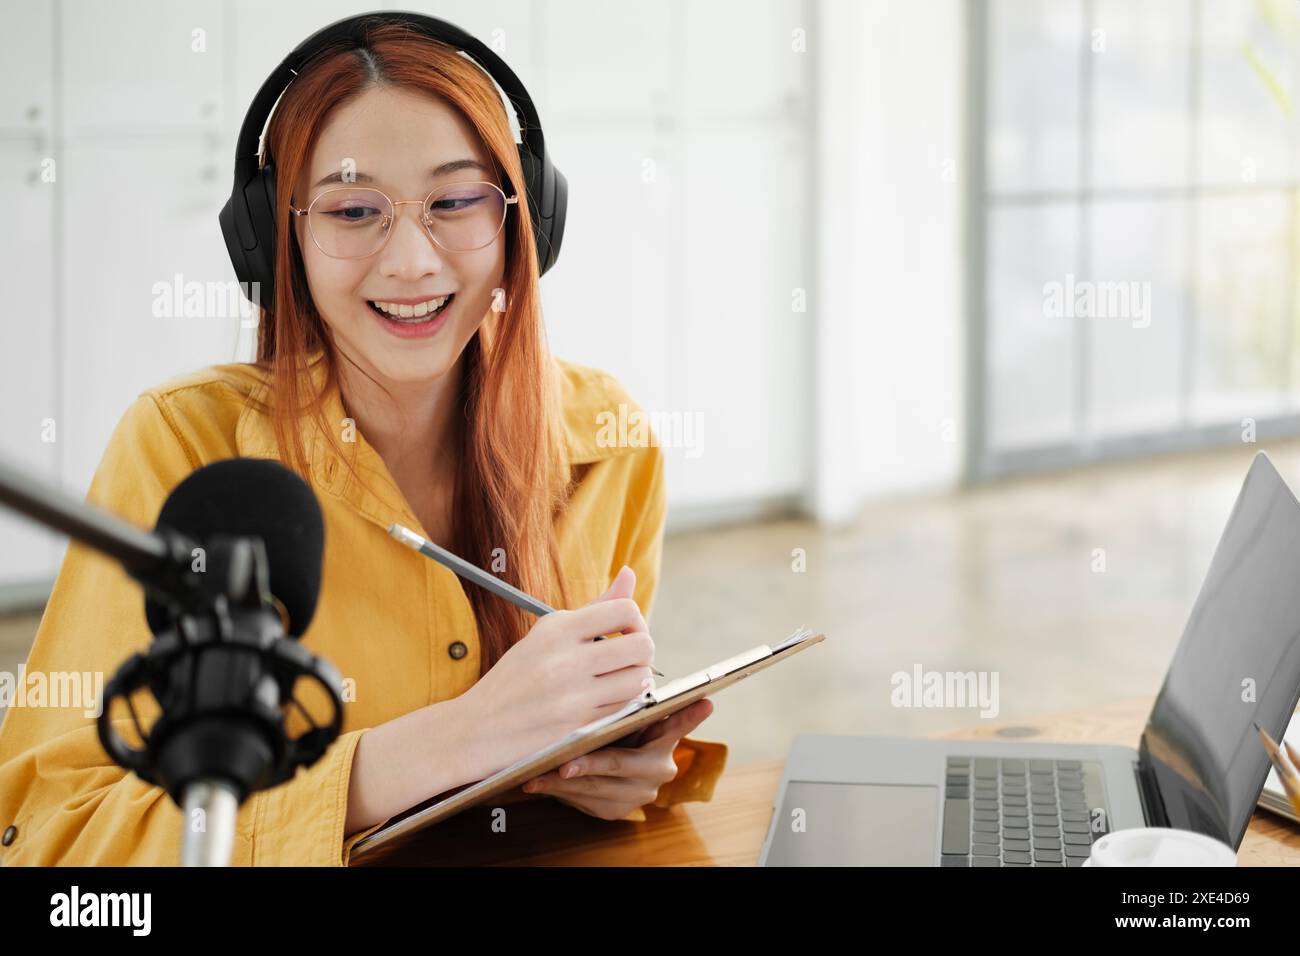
x,y
655,704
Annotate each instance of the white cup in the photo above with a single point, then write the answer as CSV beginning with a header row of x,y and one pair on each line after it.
x,y
1160,846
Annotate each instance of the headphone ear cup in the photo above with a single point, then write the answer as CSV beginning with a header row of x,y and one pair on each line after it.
x,y
233,218
547,194
559,205
261,211
532,190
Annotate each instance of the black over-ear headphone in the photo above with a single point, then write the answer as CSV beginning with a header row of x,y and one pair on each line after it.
x,y
248,218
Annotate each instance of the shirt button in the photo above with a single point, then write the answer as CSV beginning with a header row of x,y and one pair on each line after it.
x,y
10,832
457,650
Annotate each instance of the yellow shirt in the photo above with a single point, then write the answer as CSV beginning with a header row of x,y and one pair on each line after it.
x,y
386,618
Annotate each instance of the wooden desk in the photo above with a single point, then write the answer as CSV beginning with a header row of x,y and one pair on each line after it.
x,y
729,830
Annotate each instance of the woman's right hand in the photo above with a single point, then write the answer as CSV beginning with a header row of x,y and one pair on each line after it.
x,y
558,677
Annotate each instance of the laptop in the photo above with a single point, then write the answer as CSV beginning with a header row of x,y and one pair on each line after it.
x,y
887,801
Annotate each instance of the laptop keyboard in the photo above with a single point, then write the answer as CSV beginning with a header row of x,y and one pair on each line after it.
x,y
1004,812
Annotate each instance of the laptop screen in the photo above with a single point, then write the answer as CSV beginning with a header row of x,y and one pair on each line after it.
x,y
1238,662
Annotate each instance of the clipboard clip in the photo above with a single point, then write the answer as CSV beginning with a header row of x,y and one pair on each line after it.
x,y
681,685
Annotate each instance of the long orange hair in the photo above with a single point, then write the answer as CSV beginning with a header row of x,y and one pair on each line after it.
x,y
513,474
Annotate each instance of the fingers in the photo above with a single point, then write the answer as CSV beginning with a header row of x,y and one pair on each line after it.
x,y
635,791
612,781
671,729
611,773
656,766
626,650
614,616
622,685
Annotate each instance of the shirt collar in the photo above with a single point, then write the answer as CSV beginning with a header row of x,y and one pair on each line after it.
x,y
377,498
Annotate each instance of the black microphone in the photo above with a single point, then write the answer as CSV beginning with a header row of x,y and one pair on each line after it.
x,y
222,666
259,498
231,570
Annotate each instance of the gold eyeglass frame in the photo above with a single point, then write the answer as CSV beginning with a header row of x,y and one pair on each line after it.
x,y
424,216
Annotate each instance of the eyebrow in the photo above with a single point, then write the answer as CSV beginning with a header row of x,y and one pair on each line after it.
x,y
455,166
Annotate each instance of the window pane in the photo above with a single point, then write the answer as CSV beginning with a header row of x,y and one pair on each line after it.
x,y
1249,92
1031,355
1241,294
1138,314
1139,111
1033,97
1092,342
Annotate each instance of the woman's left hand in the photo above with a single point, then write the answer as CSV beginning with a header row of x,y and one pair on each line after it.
x,y
612,782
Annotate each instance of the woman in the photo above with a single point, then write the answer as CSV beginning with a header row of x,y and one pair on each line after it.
x,y
404,373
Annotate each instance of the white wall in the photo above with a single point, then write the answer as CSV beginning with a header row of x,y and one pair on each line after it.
x,y
681,127
890,322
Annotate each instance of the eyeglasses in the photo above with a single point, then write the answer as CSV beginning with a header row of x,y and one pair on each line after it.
x,y
355,222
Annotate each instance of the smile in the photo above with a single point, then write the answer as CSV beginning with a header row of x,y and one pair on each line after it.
x,y
419,312
419,320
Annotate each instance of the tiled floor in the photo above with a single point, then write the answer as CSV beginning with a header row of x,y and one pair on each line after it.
x,y
998,579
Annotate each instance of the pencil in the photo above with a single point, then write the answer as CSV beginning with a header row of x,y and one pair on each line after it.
x,y
477,575
1291,752
1284,772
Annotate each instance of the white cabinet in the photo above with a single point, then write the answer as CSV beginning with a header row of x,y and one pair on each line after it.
x,y
742,59
25,74
608,61
745,347
609,301
680,128
33,434
124,247
144,65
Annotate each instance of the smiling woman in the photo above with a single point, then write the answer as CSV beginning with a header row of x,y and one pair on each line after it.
x,y
403,370
459,407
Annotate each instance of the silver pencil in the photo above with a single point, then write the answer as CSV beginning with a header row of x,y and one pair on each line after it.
x,y
477,575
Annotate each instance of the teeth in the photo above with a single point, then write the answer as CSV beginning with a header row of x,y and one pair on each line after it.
x,y
410,311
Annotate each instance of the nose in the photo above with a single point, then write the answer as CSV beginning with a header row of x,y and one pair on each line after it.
x,y
410,252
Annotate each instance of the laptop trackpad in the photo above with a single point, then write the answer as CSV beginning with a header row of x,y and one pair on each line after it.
x,y
855,824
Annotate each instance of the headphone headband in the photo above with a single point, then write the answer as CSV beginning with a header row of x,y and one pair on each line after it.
x,y
248,218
